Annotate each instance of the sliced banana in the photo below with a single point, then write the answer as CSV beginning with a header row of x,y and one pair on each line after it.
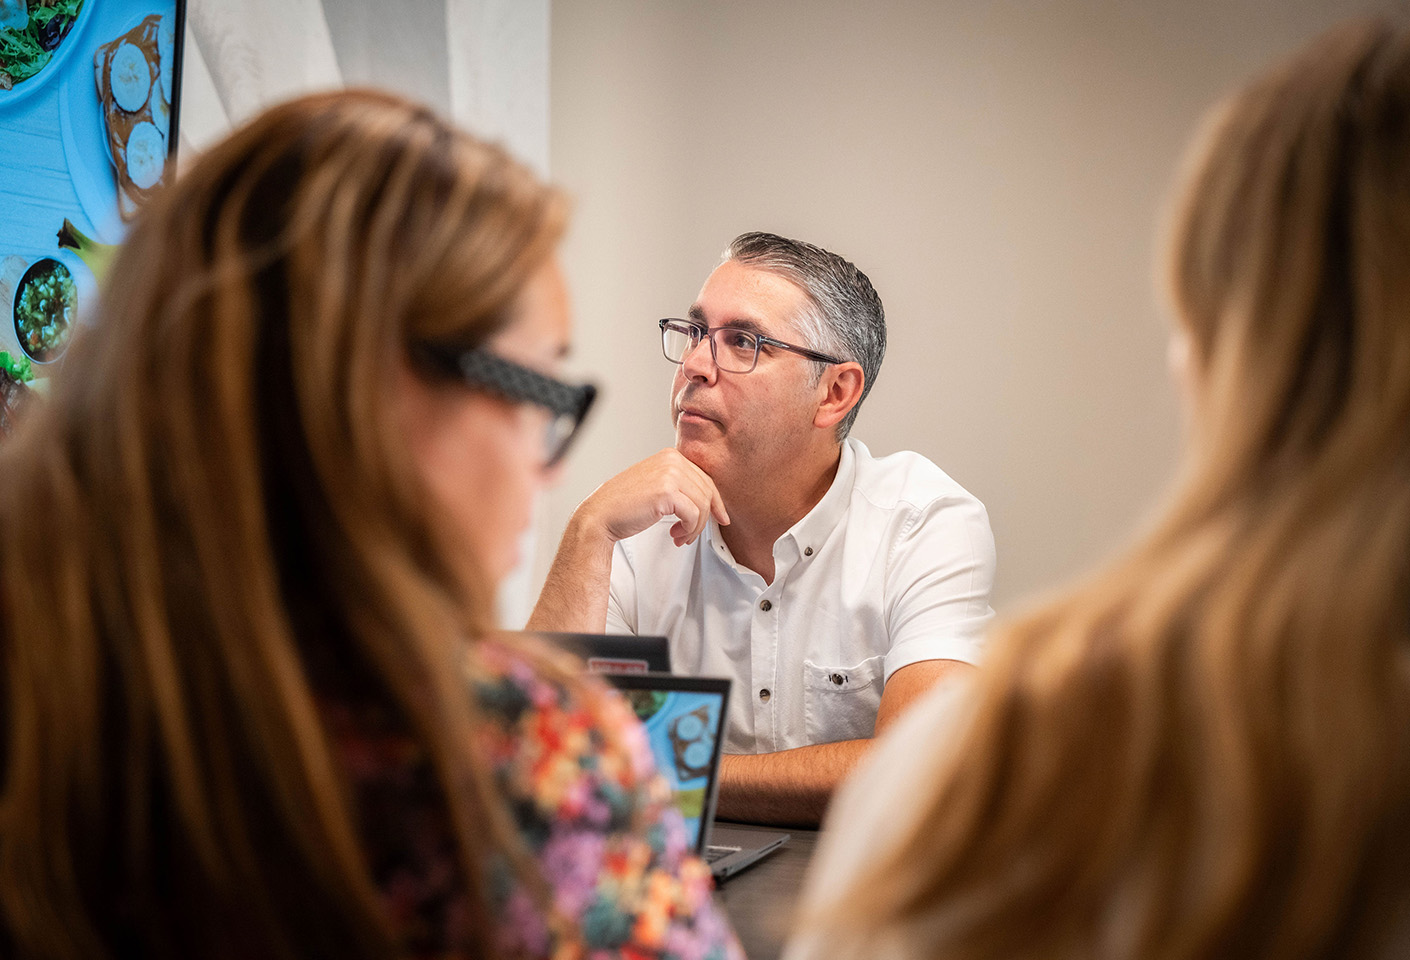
x,y
166,43
146,155
130,78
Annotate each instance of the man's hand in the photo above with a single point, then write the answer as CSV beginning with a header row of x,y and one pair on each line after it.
x,y
574,596
663,485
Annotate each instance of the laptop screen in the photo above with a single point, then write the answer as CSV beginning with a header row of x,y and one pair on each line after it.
x,y
89,95
682,717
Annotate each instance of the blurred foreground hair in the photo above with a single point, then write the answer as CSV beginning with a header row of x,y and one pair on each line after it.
x,y
212,526
1204,751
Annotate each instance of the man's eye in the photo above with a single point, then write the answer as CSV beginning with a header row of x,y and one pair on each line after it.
x,y
740,340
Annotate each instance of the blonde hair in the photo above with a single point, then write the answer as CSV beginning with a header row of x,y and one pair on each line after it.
x,y
212,526
1204,751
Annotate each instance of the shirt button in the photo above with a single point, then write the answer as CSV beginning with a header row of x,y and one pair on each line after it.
x,y
764,694
765,606
808,552
838,679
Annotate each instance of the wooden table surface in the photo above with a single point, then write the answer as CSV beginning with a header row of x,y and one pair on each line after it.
x,y
760,901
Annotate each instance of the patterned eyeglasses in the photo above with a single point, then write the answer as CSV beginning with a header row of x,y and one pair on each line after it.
x,y
567,403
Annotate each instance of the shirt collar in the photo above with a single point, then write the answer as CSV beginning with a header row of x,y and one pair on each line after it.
x,y
818,523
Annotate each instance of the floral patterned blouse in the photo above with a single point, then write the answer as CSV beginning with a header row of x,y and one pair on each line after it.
x,y
577,773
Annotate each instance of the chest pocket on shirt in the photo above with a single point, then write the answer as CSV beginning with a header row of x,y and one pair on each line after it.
x,y
840,703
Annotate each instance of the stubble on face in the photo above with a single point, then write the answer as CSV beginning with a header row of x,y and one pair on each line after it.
x,y
701,435
744,427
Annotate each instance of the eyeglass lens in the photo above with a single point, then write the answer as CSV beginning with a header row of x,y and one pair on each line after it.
x,y
734,351
557,433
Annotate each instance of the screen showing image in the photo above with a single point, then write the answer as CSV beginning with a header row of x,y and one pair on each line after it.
x,y
682,727
89,94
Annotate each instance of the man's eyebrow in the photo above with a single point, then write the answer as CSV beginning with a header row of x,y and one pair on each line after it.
x,y
744,323
739,323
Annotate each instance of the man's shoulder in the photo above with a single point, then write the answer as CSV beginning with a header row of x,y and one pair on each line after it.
x,y
904,481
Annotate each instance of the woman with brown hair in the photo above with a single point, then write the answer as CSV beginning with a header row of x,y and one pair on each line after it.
x,y
251,543
1203,750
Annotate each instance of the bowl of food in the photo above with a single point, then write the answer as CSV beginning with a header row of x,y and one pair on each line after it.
x,y
35,38
45,310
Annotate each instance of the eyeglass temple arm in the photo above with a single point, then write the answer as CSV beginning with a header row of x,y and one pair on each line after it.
x,y
810,354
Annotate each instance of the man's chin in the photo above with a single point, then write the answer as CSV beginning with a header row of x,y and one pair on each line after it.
x,y
702,453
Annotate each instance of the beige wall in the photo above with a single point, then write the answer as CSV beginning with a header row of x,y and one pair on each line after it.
x,y
996,168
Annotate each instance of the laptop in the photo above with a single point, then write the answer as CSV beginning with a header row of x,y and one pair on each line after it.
x,y
684,717
613,653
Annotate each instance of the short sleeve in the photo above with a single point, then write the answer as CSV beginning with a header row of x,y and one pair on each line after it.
x,y
940,575
621,593
576,766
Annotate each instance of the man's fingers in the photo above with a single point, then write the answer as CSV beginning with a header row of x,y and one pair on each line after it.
x,y
702,517
692,509
667,484
709,495
717,506
689,520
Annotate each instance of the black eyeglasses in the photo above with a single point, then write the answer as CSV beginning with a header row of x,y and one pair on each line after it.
x,y
733,349
478,367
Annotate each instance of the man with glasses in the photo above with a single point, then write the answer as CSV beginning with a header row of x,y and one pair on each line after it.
x,y
833,587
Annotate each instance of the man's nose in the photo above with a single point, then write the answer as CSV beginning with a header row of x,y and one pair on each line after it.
x,y
699,362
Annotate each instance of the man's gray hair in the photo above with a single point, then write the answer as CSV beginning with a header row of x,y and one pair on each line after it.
x,y
844,316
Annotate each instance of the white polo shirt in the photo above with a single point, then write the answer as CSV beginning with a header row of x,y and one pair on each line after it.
x,y
894,565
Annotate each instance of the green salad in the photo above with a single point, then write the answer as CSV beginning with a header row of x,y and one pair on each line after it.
x,y
645,702
45,309
18,370
27,50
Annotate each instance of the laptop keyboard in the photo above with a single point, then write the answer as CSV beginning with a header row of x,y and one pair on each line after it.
x,y
714,853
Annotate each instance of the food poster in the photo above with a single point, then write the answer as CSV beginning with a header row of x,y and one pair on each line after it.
x,y
88,101
682,727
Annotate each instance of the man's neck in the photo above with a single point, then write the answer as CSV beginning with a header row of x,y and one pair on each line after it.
x,y
763,508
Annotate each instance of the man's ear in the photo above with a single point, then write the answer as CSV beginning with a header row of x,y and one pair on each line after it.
x,y
843,384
